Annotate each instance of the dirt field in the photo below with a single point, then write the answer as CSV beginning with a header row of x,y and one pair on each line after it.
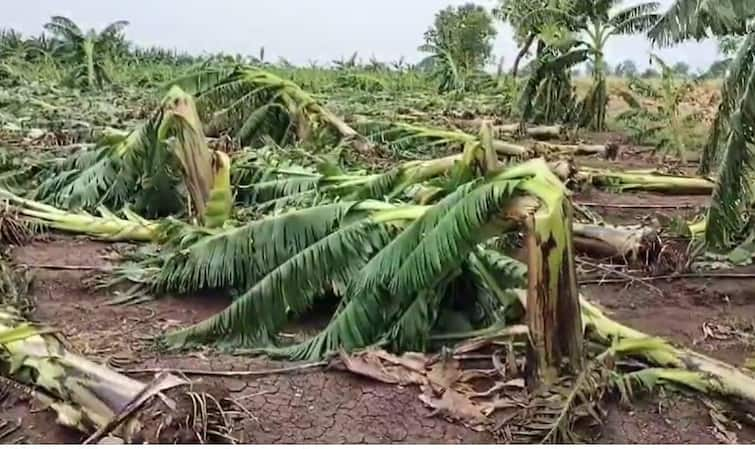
x,y
321,406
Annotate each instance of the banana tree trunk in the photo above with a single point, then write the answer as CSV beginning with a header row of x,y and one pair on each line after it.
x,y
668,363
545,132
509,149
672,364
646,180
107,226
609,151
602,241
182,127
553,312
89,55
206,173
348,134
93,399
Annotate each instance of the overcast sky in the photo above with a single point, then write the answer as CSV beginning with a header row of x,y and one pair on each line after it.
x,y
299,30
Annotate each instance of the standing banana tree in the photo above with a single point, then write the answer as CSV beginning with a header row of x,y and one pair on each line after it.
x,y
86,52
603,22
569,32
662,125
732,138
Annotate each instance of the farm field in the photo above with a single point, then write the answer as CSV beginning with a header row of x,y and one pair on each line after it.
x,y
222,249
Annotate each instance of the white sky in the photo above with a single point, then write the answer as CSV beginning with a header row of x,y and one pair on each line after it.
x,y
299,30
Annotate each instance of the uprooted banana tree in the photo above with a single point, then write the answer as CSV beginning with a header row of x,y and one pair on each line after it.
x,y
162,167
391,265
94,399
252,103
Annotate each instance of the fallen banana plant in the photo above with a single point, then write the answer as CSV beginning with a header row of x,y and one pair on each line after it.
x,y
391,271
149,168
632,244
252,103
645,180
608,151
424,181
544,132
96,400
106,226
669,364
409,138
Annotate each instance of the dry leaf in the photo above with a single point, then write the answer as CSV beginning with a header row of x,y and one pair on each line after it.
x,y
394,371
444,374
455,405
367,365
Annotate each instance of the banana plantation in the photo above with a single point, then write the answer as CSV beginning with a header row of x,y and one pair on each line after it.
x,y
225,249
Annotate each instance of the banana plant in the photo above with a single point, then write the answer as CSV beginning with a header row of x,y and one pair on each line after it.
x,y
601,23
389,264
86,53
568,33
152,168
253,103
731,139
93,398
661,122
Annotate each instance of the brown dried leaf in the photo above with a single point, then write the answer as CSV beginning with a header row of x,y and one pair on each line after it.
x,y
456,405
386,368
499,403
444,374
414,361
368,365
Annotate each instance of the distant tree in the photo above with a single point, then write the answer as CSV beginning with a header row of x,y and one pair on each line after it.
x,y
650,73
344,63
605,68
681,68
460,43
627,69
466,32
86,52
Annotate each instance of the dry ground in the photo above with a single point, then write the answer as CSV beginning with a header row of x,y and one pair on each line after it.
x,y
335,407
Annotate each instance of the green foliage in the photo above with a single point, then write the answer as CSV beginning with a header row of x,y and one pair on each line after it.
x,y
658,119
85,53
460,43
148,168
733,196
731,91
392,267
627,69
698,19
548,95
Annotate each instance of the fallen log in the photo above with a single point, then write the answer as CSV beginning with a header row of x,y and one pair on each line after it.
x,y
669,363
542,132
